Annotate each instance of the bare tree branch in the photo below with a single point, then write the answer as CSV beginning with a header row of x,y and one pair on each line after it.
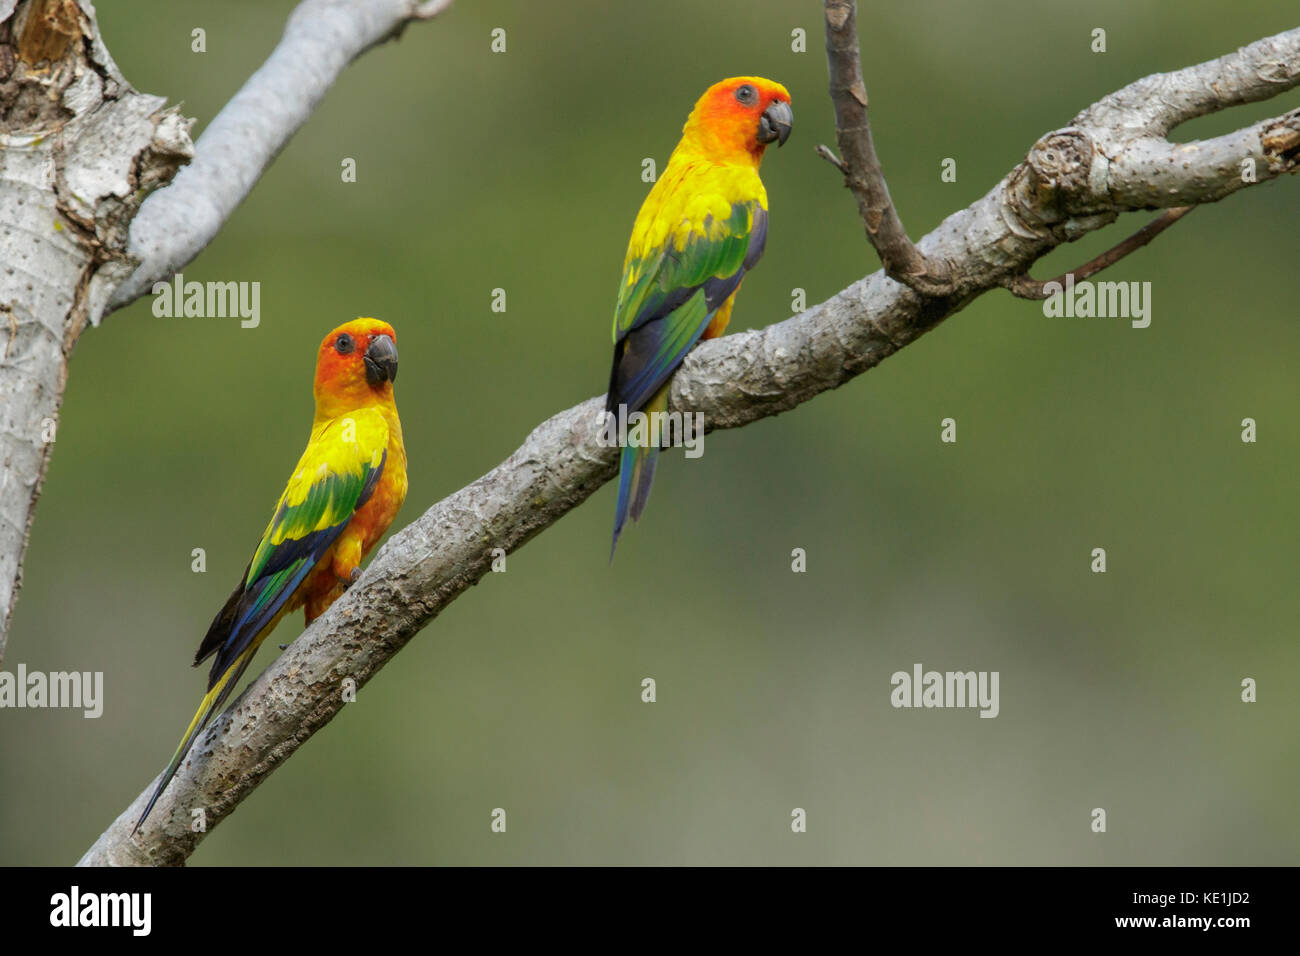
x,y
1154,106
320,39
80,150
1065,188
1026,287
1128,127
863,174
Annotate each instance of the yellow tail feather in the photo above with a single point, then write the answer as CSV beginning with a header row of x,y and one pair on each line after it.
x,y
211,704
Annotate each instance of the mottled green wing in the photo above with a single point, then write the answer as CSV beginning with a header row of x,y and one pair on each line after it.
x,y
669,296
335,476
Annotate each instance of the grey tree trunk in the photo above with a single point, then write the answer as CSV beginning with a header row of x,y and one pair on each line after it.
x,y
80,149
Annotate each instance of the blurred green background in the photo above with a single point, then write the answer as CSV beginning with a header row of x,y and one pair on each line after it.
x,y
522,171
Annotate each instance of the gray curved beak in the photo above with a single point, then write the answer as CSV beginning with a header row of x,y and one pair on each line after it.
x,y
776,123
381,360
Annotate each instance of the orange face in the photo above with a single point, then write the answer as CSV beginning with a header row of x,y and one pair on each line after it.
x,y
742,115
357,363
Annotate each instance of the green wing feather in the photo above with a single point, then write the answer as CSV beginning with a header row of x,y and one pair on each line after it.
x,y
333,479
335,476
669,295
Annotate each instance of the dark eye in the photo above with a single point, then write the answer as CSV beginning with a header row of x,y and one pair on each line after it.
x,y
344,344
746,95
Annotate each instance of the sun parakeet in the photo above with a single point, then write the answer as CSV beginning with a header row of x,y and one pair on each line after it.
x,y
346,490
702,227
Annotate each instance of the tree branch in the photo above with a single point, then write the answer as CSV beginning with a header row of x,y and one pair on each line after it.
x,y
1061,191
1114,158
1154,106
82,149
320,39
1027,287
863,174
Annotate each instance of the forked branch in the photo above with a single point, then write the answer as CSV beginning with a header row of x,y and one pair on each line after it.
x,y
1122,137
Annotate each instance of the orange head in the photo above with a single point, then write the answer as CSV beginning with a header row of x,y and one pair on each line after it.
x,y
356,366
736,119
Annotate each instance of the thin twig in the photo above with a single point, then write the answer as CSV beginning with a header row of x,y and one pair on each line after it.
x,y
863,175
1027,287
825,153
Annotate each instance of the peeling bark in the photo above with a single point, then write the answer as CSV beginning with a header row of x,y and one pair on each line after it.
x,y
79,150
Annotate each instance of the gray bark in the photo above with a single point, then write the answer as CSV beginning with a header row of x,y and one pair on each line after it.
x,y
79,149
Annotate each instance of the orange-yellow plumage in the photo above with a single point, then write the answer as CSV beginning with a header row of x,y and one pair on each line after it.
x,y
342,388
701,228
